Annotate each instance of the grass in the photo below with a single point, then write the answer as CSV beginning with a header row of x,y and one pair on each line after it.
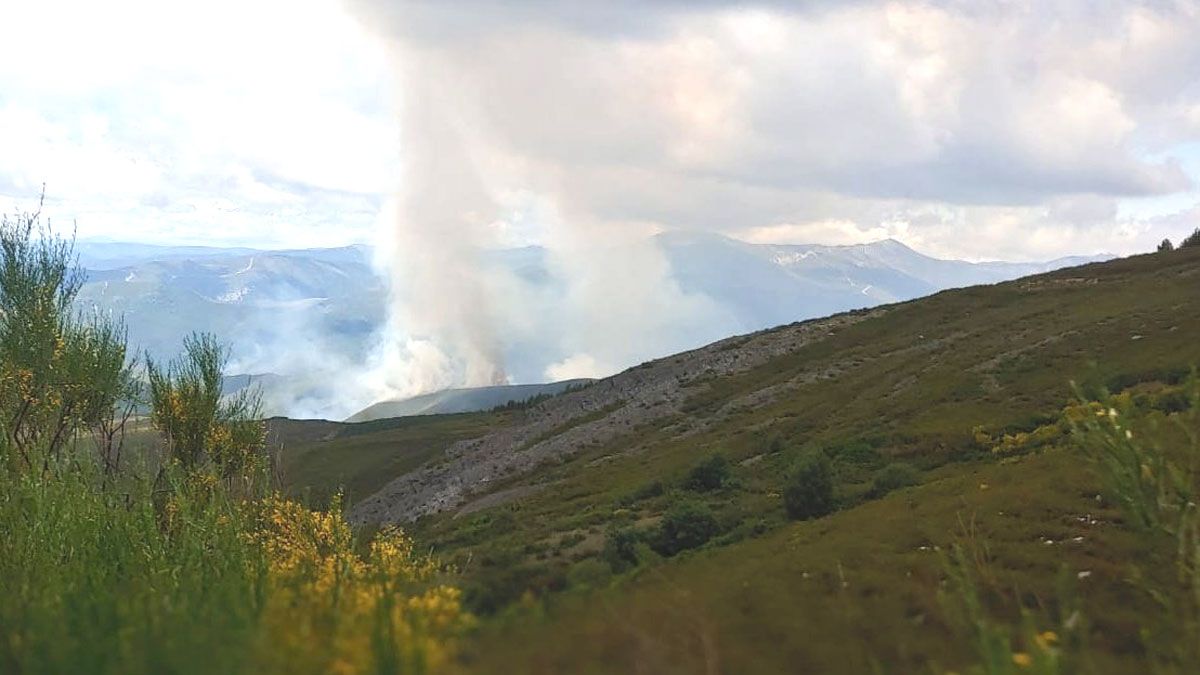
x,y
851,591
182,577
320,459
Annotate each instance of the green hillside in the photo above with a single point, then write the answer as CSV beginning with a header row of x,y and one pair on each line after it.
x,y
320,458
566,561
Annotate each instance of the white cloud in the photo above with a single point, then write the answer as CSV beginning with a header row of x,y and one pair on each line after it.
x,y
760,116
270,121
263,122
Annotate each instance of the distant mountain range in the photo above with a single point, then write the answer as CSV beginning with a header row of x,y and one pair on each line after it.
x,y
768,284
297,318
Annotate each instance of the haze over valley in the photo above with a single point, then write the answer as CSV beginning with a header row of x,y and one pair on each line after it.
x,y
307,325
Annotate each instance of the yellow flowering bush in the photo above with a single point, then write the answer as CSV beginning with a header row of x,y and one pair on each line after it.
x,y
331,609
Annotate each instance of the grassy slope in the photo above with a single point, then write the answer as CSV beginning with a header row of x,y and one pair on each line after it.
x,y
319,458
846,592
910,384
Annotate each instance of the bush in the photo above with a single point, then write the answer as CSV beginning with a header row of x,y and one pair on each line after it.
x,y
1192,240
893,477
686,525
60,372
709,475
1166,246
654,488
589,573
858,453
809,491
620,548
198,423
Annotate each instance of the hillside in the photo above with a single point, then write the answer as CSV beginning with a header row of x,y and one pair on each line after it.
x,y
526,508
473,399
916,376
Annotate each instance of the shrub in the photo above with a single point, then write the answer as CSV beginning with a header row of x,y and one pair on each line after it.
x,y
857,453
1193,239
1166,246
893,477
809,491
686,525
198,423
620,548
710,474
589,573
60,372
654,488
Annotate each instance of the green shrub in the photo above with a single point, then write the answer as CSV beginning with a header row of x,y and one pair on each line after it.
x,y
809,490
686,525
710,474
1166,246
199,424
60,373
654,488
589,573
893,477
620,548
857,453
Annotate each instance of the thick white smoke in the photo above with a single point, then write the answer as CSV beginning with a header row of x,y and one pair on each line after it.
x,y
468,184
441,330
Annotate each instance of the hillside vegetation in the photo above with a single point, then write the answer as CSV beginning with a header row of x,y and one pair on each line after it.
x,y
999,479
645,524
175,554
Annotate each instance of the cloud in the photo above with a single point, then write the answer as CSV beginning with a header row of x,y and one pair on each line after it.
x,y
728,115
265,122
271,122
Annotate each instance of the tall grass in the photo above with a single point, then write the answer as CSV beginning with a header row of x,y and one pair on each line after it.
x,y
1039,644
104,581
1149,458
94,581
1145,447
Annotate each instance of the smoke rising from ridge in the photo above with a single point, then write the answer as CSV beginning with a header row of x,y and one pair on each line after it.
x,y
467,180
439,302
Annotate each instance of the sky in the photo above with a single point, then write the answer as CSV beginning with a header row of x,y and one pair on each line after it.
x,y
1002,129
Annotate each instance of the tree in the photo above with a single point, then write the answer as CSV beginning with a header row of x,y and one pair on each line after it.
x,y
1192,240
809,490
686,525
1166,246
708,475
